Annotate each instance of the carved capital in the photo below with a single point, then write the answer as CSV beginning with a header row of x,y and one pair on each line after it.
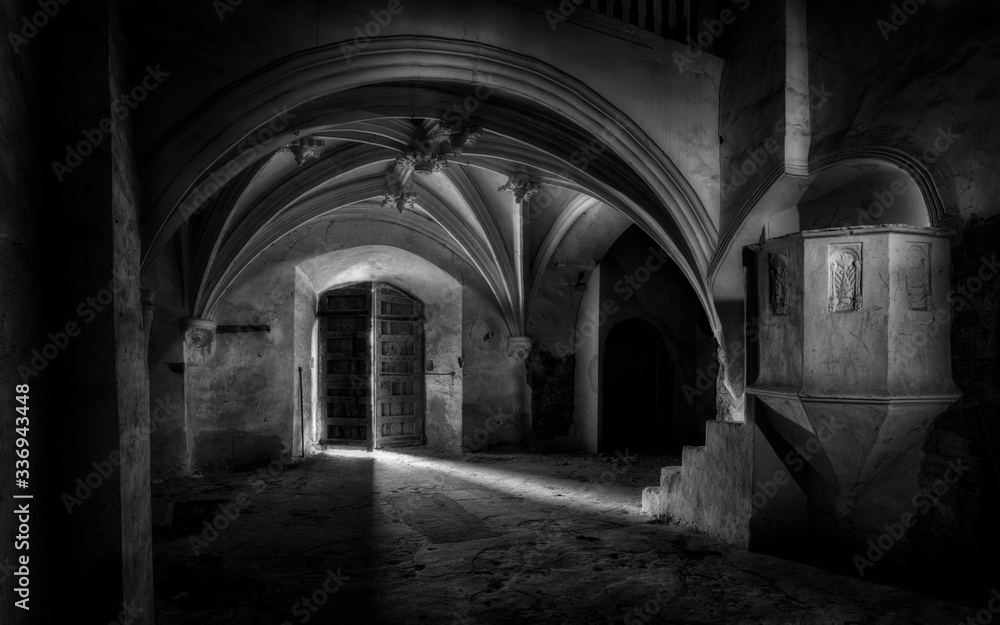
x,y
199,341
519,347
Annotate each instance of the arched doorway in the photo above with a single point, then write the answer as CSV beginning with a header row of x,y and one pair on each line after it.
x,y
371,367
637,390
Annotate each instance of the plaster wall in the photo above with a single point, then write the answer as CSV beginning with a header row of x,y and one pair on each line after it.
x,y
495,385
241,400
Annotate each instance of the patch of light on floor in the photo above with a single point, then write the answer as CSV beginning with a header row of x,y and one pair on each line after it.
x,y
595,496
346,453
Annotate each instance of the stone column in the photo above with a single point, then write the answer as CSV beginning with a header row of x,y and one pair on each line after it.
x,y
91,543
522,188
798,136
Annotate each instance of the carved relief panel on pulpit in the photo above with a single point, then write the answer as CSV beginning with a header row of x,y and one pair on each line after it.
x,y
845,277
778,283
918,276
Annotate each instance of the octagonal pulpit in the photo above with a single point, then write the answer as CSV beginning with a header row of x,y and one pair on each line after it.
x,y
854,363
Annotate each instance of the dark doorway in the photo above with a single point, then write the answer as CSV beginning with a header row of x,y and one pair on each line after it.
x,y
637,390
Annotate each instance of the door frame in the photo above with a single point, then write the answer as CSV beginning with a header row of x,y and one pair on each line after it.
x,y
372,381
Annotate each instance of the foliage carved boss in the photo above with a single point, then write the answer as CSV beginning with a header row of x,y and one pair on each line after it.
x,y
845,278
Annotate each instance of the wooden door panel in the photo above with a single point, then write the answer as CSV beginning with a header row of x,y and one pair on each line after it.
x,y
399,403
345,330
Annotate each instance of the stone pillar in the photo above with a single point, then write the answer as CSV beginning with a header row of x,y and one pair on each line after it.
x,y
91,544
518,349
522,189
798,136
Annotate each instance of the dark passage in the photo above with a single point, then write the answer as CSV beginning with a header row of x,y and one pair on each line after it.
x,y
637,390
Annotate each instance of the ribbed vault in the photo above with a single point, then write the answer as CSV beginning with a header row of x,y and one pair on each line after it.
x,y
532,120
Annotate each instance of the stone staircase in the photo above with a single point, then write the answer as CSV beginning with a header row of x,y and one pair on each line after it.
x,y
711,489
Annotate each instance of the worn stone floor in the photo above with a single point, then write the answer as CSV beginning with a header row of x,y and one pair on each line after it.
x,y
421,537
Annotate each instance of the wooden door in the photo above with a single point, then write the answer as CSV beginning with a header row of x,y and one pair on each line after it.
x,y
399,357
346,365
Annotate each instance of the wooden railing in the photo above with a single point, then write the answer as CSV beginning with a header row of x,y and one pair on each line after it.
x,y
673,19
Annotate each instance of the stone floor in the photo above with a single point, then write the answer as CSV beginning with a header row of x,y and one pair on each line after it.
x,y
420,537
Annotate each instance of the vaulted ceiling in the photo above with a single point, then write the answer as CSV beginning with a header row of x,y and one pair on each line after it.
x,y
313,135
347,170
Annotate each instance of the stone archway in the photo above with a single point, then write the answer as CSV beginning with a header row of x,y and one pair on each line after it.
x,y
441,295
